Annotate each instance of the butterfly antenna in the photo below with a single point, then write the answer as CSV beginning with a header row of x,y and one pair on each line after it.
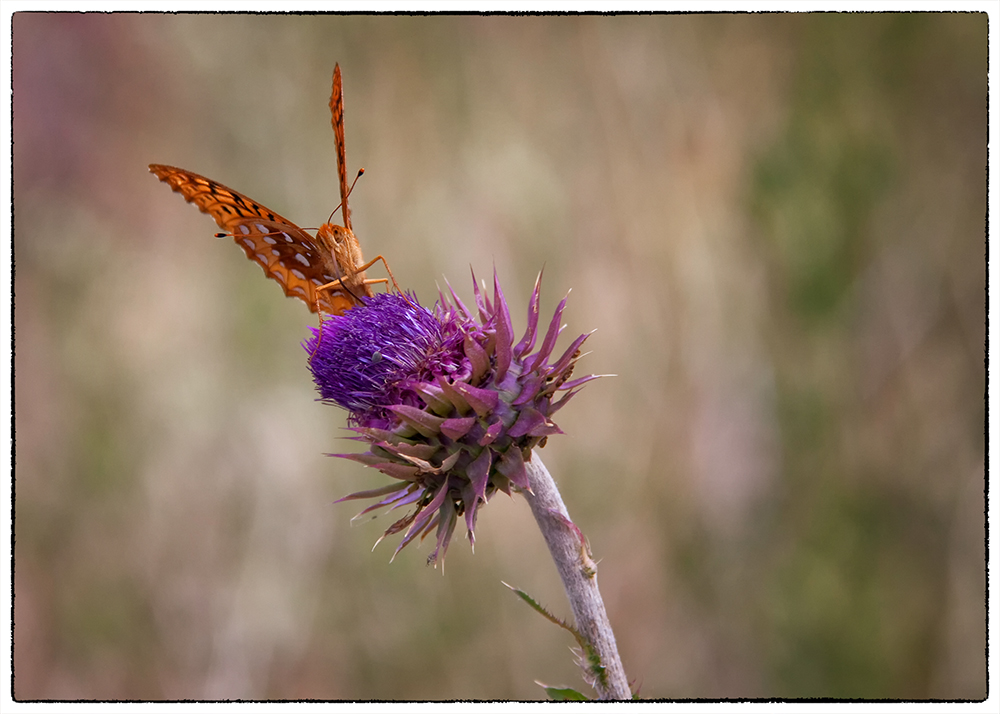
x,y
361,172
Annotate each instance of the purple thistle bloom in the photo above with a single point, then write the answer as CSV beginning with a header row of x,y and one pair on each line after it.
x,y
449,405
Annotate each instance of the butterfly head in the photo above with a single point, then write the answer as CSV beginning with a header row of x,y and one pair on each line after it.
x,y
344,258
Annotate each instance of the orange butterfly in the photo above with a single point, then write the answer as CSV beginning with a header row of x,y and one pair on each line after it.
x,y
326,271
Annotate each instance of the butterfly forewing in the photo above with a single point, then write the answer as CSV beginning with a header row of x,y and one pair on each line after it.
x,y
223,204
337,117
287,253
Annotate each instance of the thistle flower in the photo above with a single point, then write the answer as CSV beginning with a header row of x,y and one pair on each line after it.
x,y
449,405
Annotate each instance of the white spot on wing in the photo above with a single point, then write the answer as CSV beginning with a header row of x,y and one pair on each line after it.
x,y
244,230
288,238
302,259
270,240
280,276
275,252
298,274
261,228
248,243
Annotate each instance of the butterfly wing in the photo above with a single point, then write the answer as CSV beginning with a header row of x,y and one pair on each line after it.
x,y
291,257
337,117
223,204
287,253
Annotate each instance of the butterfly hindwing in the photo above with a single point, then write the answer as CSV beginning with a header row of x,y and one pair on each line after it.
x,y
290,256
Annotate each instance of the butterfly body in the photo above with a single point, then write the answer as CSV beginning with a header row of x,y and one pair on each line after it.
x,y
326,271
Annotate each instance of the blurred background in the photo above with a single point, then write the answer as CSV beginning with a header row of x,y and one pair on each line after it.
x,y
775,223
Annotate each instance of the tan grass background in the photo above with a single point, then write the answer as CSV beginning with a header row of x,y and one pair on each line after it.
x,y
775,223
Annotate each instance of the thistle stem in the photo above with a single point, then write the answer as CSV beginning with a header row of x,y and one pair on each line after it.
x,y
579,576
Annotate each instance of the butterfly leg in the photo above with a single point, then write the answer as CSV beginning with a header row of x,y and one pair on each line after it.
x,y
372,262
369,281
338,283
319,340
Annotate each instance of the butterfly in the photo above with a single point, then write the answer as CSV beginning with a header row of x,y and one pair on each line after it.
x,y
326,271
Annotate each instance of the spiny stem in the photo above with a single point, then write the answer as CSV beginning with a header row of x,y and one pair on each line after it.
x,y
579,576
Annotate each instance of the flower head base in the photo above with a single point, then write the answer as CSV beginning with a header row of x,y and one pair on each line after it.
x,y
449,405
